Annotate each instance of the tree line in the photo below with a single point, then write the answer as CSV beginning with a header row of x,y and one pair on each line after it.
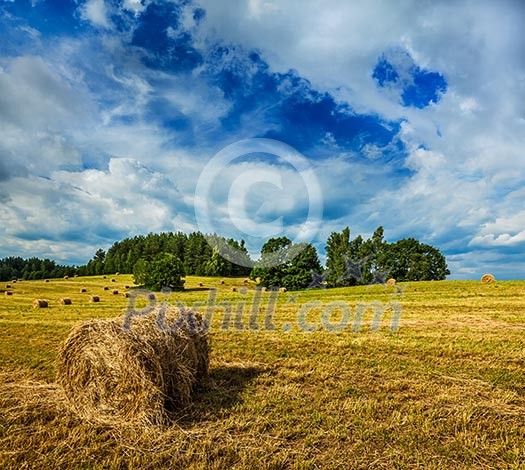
x,y
282,263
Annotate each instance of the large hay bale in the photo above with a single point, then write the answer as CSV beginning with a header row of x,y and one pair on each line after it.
x,y
391,282
65,301
47,280
487,278
8,286
113,280
264,289
66,277
40,303
282,289
83,290
7,293
106,288
114,375
94,298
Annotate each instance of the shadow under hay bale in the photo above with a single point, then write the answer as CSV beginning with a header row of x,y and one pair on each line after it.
x,y
65,301
487,278
113,375
94,298
40,303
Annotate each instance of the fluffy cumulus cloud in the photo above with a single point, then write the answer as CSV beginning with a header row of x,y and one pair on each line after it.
x,y
412,116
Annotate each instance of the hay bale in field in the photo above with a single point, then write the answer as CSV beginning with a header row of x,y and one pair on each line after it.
x,y
94,298
7,293
127,295
112,375
47,280
200,284
117,274
234,289
113,280
106,288
115,292
264,289
391,282
83,290
40,303
65,301
487,278
282,289
126,287
222,282
151,296
66,277
13,281
8,286
246,281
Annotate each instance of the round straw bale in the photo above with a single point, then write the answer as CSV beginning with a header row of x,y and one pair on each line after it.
x,y
126,287
113,280
246,281
8,286
264,289
127,295
8,293
391,282
234,289
65,301
282,289
487,279
83,290
47,280
66,277
115,292
114,375
13,281
117,274
106,288
94,298
222,282
200,284
40,303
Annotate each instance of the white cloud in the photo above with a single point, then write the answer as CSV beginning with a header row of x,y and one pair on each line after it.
x,y
96,12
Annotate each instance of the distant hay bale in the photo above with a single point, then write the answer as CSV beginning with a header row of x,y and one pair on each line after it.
x,y
391,282
47,280
151,296
113,280
246,281
264,289
282,289
200,284
106,288
40,303
8,286
112,375
65,301
76,275
66,277
487,279
103,277
222,282
7,293
127,295
126,287
234,289
94,298
115,292
13,281
117,274
83,290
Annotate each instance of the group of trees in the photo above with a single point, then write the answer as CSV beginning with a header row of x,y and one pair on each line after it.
x,y
32,268
200,254
161,260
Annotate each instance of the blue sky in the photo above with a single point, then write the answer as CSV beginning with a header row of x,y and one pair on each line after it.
x,y
411,116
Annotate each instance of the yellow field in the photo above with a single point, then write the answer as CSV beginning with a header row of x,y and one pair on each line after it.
x,y
446,390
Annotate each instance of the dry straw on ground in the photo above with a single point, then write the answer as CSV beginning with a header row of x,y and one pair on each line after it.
x,y
65,301
40,303
487,278
114,375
